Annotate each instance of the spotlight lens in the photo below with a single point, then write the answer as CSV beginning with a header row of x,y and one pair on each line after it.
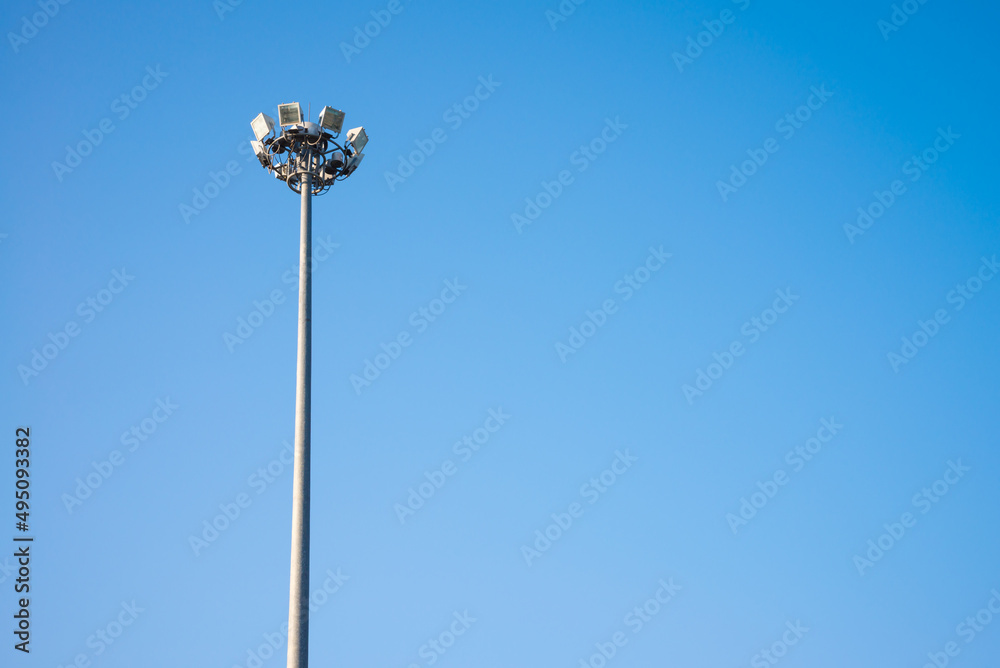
x,y
331,119
358,138
262,126
290,114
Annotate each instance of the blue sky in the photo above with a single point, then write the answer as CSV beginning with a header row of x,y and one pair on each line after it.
x,y
545,169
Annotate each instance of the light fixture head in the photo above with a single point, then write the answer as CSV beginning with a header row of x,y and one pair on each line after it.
x,y
358,138
352,163
290,114
331,119
262,126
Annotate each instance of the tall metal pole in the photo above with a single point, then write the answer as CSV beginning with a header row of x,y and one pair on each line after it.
x,y
298,600
304,155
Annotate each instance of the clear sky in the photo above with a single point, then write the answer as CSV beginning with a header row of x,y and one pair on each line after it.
x,y
697,300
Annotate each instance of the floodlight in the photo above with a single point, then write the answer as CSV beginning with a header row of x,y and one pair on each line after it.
x,y
262,126
290,114
353,163
358,139
309,158
331,119
261,152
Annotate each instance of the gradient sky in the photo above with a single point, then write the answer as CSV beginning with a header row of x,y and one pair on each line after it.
x,y
595,107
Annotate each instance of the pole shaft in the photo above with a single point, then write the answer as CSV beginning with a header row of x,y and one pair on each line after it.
x,y
298,600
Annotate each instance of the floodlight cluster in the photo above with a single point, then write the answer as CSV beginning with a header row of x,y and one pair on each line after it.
x,y
293,147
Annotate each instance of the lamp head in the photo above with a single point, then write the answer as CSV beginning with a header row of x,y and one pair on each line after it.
x,y
290,114
352,163
262,126
358,138
331,120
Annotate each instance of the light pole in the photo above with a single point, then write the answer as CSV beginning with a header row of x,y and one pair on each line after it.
x,y
307,157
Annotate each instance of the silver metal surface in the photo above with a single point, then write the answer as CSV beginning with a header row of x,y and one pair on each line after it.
x,y
298,599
